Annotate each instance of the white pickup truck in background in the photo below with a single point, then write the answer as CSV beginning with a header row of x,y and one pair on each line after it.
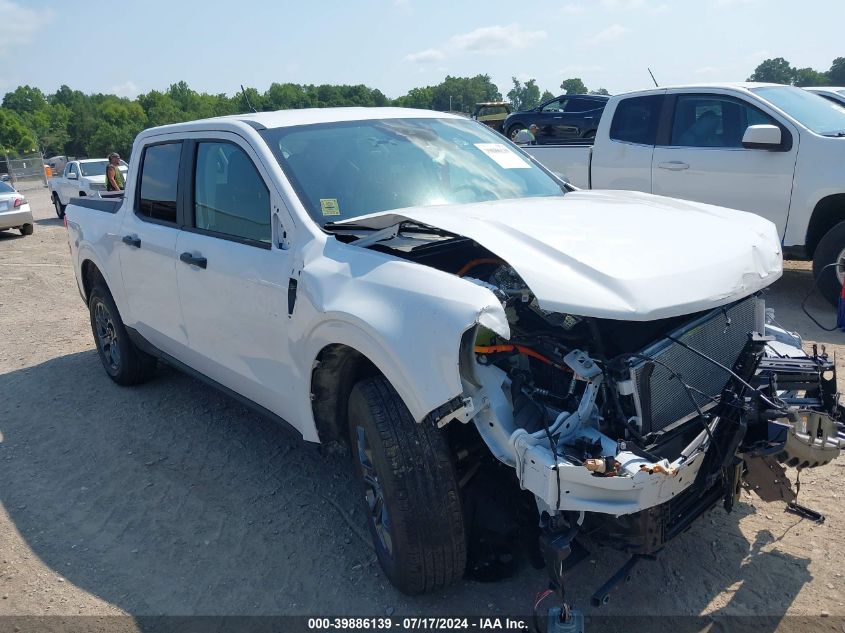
x,y
80,178
773,150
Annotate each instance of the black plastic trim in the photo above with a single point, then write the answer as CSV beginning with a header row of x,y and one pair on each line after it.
x,y
136,203
149,348
107,206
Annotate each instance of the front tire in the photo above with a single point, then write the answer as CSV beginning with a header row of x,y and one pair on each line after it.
x,y
408,480
513,130
831,249
123,361
60,208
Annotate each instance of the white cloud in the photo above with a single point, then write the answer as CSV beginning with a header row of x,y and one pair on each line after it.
x,y
427,56
496,39
583,70
706,70
20,24
731,3
126,89
614,31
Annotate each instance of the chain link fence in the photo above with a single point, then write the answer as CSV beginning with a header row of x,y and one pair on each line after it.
x,y
24,172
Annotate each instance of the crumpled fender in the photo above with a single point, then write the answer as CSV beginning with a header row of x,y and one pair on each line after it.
x,y
406,318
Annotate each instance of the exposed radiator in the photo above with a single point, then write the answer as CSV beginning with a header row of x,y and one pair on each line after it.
x,y
661,400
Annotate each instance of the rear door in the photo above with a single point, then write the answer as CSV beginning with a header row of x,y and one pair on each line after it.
x,y
703,158
233,281
622,160
148,250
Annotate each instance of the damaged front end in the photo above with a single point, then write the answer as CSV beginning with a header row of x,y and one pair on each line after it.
x,y
631,430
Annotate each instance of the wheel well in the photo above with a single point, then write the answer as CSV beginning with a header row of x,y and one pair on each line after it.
x,y
90,274
336,371
828,213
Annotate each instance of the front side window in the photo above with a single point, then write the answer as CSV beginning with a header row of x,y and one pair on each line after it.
x,y
635,120
230,198
159,179
347,169
712,121
582,105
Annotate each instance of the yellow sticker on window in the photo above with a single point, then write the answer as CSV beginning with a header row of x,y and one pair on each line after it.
x,y
329,206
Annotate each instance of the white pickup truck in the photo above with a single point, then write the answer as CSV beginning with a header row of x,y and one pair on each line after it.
x,y
80,178
773,150
412,284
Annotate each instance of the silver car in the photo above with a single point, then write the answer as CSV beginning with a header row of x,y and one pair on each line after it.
x,y
14,210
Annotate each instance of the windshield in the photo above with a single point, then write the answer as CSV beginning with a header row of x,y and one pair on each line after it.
x,y
348,169
810,110
97,167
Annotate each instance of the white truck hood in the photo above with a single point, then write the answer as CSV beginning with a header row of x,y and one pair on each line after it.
x,y
614,254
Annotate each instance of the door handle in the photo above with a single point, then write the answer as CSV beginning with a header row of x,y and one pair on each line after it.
x,y
132,240
189,259
674,165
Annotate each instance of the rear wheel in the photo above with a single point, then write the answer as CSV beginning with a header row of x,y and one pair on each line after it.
x,y
60,208
831,249
122,360
26,229
514,129
408,481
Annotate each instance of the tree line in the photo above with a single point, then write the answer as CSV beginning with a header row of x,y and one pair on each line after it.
x,y
77,124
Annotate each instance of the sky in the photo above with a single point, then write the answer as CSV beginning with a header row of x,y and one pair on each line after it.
x,y
128,48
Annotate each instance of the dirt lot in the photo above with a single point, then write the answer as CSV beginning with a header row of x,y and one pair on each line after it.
x,y
172,499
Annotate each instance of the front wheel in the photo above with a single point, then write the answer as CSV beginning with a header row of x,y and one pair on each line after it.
x,y
60,208
409,485
514,129
123,361
831,250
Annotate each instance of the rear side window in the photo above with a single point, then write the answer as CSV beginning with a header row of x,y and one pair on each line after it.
x,y
230,198
159,178
636,120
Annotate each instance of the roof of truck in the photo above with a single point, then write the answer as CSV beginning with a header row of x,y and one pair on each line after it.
x,y
304,116
725,85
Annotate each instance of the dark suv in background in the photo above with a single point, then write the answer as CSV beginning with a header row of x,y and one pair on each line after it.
x,y
561,120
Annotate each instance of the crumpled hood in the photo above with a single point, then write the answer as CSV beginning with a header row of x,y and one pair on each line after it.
x,y
616,254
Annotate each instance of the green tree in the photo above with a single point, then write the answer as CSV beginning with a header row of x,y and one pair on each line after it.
x,y
524,96
775,70
600,91
462,93
836,74
160,108
573,86
24,100
546,96
120,120
15,137
809,77
422,98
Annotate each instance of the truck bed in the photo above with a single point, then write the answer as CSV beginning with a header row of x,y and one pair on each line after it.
x,y
569,162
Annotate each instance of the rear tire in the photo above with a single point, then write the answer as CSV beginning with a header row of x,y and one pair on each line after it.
x,y
831,249
123,361
60,208
514,129
413,500
26,229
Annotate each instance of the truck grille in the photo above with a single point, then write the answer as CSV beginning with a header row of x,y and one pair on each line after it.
x,y
661,399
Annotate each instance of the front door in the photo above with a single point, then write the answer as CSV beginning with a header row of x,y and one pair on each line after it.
x,y
705,161
233,281
148,251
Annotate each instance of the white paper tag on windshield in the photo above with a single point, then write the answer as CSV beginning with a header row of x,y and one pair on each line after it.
x,y
503,156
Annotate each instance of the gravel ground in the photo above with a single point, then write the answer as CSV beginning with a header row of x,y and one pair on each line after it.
x,y
172,499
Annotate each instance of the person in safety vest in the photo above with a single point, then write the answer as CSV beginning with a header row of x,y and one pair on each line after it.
x,y
114,177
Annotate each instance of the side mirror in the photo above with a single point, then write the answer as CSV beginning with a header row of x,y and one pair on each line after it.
x,y
72,177
762,137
